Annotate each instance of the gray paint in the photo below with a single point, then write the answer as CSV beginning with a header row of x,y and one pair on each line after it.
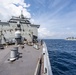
x,y
26,28
26,63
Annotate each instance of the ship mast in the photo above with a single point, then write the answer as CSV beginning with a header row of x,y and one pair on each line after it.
x,y
22,16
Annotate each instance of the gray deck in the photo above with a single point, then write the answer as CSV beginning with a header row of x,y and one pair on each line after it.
x,y
25,65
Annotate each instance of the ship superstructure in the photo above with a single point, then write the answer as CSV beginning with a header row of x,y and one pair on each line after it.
x,y
28,31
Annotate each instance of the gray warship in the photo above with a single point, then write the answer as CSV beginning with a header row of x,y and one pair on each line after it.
x,y
21,53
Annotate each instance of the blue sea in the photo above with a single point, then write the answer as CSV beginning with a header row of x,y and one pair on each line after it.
x,y
62,54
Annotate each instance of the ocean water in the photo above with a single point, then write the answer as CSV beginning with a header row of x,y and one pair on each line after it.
x,y
62,54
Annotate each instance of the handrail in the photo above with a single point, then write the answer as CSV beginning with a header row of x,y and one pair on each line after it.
x,y
47,65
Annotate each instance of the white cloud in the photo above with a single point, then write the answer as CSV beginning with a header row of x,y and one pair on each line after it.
x,y
45,33
53,25
58,24
8,8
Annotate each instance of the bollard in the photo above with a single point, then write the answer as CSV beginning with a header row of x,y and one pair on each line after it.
x,y
16,49
14,54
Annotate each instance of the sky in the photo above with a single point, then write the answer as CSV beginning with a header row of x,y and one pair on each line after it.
x,y
57,18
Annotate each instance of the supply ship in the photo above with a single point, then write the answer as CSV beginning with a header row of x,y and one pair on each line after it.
x,y
21,53
71,38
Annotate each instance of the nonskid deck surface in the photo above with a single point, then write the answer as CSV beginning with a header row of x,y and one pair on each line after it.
x,y
24,65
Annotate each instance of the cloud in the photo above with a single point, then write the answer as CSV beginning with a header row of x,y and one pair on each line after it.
x,y
45,33
58,27
13,8
59,22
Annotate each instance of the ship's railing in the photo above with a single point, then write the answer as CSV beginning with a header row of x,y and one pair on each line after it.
x,y
47,65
